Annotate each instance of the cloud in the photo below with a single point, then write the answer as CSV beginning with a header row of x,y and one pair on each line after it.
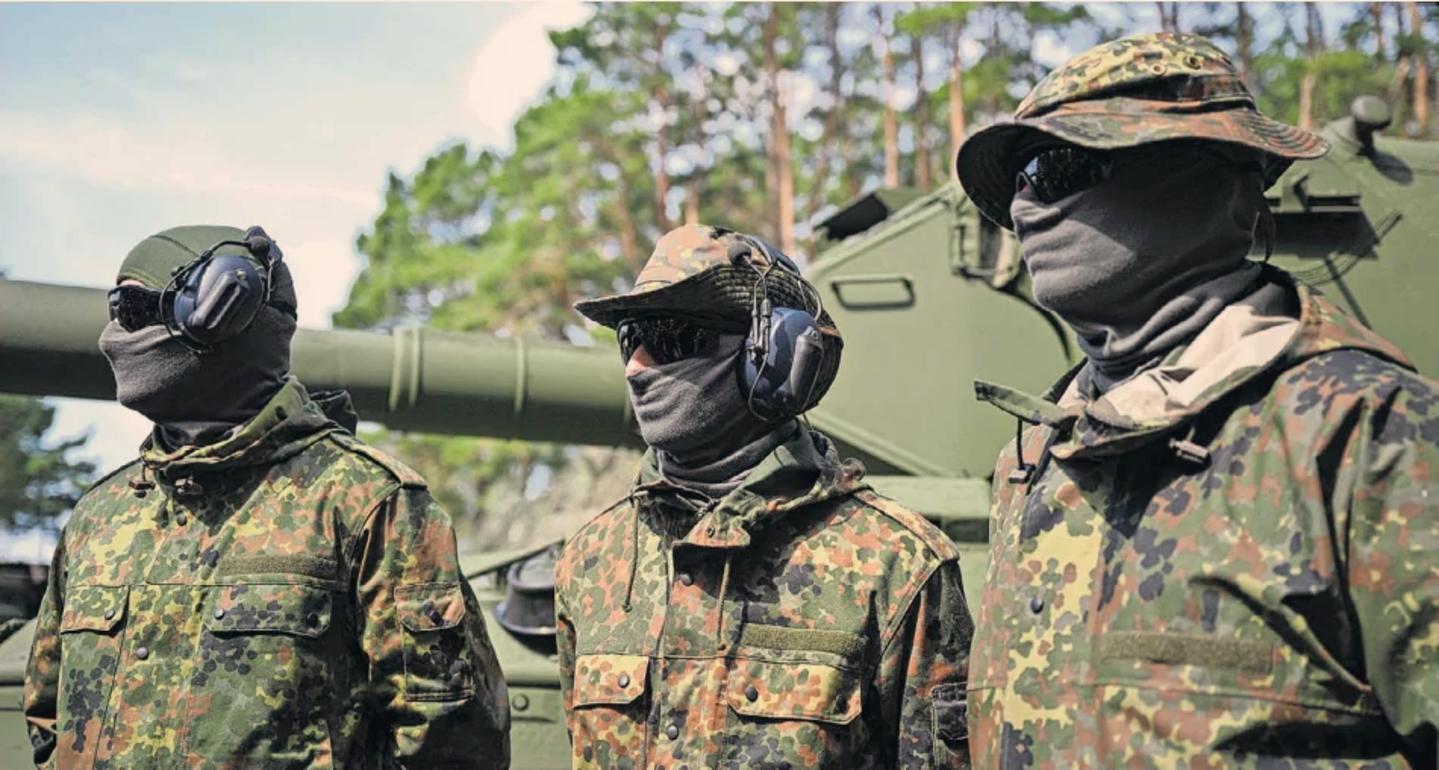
x,y
184,158
513,65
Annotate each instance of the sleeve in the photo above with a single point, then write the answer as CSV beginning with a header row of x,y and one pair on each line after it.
x,y
922,676
1393,561
42,673
565,643
435,684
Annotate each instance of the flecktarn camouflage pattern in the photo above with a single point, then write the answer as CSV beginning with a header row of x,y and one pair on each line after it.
x,y
1252,582
1132,91
287,598
800,622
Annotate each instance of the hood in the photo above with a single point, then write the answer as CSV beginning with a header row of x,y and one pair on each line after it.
x,y
1248,340
288,423
802,471
338,406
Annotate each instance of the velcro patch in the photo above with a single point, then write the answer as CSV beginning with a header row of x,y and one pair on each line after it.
x,y
801,639
270,564
1252,656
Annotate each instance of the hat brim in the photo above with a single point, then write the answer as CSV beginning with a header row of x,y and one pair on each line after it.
x,y
986,161
721,295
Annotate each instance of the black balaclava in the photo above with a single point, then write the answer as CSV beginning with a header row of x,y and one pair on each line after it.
x,y
694,414
1141,262
196,399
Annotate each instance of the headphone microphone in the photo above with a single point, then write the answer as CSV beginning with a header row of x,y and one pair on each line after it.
x,y
784,351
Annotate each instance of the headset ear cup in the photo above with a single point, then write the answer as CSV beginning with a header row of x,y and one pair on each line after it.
x,y
218,299
781,383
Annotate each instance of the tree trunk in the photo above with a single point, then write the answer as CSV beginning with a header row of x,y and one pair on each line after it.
x,y
922,160
1314,43
891,119
1421,74
1376,15
692,202
956,96
662,148
1244,42
629,233
824,165
779,137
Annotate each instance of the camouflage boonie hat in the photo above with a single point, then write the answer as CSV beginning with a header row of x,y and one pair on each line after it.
x,y
709,275
1133,91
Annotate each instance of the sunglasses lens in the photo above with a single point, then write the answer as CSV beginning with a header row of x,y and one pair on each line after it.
x,y
1059,172
665,339
134,307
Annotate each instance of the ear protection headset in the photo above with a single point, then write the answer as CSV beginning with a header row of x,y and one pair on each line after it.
x,y
783,353
217,296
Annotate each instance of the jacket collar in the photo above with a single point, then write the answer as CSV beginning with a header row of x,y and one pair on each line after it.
x,y
1108,425
285,426
802,471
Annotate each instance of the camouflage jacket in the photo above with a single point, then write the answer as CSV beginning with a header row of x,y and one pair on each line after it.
x,y
801,621
286,598
1248,580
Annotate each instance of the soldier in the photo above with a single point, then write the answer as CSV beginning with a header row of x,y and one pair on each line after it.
x,y
751,603
1216,545
259,588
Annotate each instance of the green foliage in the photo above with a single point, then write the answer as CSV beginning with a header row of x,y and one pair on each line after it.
x,y
38,480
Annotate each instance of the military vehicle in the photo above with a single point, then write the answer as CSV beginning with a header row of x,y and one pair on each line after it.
x,y
929,296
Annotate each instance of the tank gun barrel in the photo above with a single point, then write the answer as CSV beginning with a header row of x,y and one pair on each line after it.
x,y
413,379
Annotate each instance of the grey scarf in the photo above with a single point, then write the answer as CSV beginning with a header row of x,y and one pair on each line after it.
x,y
1143,261
694,414
196,399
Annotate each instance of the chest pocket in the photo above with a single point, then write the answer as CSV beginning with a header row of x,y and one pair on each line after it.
x,y
792,715
607,720
92,629
264,644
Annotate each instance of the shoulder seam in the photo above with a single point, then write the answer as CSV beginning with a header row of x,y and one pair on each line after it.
x,y
407,476
590,522
941,547
112,474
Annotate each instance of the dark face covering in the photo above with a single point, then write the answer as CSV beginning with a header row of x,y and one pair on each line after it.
x,y
1143,261
196,399
693,413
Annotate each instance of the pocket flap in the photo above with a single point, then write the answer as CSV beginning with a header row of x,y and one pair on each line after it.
x,y
300,610
93,608
609,679
430,606
811,691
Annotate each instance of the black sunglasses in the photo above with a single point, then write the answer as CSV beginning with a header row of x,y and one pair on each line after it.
x,y
666,339
1057,172
135,307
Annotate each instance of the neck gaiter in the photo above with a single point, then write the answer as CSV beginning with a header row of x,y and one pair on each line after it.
x,y
194,399
1146,259
694,414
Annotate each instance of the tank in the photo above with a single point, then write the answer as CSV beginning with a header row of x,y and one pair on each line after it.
x,y
930,297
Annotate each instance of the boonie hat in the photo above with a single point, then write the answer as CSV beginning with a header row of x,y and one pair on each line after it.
x,y
709,275
1133,91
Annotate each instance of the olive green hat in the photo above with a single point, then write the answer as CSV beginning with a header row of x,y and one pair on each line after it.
x,y
1133,91
154,260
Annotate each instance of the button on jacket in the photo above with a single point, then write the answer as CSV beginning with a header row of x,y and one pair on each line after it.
x,y
286,598
801,621
1242,574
